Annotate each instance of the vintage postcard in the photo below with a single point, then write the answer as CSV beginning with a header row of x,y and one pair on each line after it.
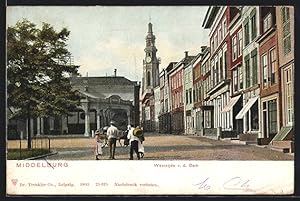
x,y
150,100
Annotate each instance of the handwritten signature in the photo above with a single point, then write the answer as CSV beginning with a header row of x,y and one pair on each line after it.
x,y
203,184
237,183
234,183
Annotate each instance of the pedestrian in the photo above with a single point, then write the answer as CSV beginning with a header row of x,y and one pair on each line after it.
x,y
133,141
141,140
104,136
112,135
98,145
126,140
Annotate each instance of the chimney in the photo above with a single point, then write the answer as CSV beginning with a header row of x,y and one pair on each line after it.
x,y
186,54
115,71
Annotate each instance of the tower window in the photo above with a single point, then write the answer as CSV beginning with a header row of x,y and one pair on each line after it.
x,y
148,78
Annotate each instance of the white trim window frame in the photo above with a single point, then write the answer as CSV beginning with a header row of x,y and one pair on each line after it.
x,y
265,70
267,22
234,48
273,65
240,43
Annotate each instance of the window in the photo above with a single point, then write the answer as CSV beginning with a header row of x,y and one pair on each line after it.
x,y
213,74
254,117
289,96
216,41
287,44
272,106
234,48
240,42
253,24
203,89
190,93
212,45
267,22
235,79
247,69
217,76
173,101
221,68
176,99
273,67
208,84
241,77
265,70
180,78
285,15
194,95
181,98
207,119
225,63
186,96
197,94
148,79
220,34
246,35
224,28
186,78
254,66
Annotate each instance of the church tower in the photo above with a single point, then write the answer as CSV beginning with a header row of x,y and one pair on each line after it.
x,y
150,63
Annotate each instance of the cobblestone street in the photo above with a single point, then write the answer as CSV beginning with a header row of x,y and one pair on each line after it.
x,y
166,147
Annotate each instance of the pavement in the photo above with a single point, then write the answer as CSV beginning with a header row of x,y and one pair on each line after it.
x,y
165,147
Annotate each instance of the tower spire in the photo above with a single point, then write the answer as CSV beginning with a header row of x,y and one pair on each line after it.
x,y
150,28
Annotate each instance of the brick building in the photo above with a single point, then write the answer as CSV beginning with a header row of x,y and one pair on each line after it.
x,y
286,41
270,75
176,94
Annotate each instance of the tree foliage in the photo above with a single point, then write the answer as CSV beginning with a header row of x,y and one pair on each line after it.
x,y
38,69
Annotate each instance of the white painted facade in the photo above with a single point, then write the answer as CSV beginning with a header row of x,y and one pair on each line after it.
x,y
188,94
254,89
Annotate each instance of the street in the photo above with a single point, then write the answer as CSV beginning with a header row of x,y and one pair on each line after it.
x,y
168,147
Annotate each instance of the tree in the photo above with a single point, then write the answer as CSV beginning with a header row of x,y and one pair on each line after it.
x,y
37,72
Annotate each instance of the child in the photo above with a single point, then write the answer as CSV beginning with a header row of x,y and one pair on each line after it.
x,y
98,145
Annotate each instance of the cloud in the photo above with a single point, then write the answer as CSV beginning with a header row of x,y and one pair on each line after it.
x,y
100,41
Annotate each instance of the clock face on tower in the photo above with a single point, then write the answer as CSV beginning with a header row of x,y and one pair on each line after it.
x,y
148,59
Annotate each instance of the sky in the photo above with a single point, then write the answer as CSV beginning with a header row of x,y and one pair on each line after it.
x,y
104,38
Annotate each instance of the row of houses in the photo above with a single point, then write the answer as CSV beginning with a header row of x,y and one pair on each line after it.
x,y
240,86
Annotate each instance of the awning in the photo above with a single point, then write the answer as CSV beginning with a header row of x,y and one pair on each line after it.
x,y
246,108
283,133
231,103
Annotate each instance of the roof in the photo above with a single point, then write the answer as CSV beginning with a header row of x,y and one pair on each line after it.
x,y
170,66
88,94
188,59
210,16
113,80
